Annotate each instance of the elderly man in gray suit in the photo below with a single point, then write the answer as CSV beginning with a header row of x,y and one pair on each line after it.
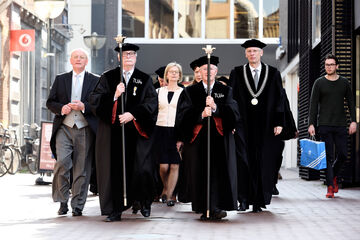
x,y
73,135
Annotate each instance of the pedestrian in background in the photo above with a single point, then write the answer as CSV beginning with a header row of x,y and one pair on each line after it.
x,y
196,69
160,78
73,135
327,112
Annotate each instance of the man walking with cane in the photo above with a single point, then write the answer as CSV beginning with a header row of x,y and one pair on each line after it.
x,y
194,109
140,110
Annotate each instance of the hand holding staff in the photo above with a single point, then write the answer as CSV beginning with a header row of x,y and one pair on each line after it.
x,y
120,39
208,50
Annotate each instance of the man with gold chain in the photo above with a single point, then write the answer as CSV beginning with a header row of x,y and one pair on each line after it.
x,y
257,89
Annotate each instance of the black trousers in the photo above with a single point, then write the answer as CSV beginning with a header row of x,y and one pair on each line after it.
x,y
334,136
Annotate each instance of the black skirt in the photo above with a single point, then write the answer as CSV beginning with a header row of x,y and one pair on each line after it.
x,y
165,146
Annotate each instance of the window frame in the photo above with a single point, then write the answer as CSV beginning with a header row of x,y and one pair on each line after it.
x,y
202,39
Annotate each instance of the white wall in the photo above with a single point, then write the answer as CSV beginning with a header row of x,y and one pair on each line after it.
x,y
79,18
291,81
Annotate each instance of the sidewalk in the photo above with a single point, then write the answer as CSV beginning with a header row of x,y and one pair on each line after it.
x,y
301,211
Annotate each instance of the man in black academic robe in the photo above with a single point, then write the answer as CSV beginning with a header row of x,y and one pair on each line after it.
x,y
261,109
140,111
191,126
188,159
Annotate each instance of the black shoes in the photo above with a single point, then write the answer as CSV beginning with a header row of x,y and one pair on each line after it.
x,y
256,209
215,215
136,207
219,214
163,198
146,208
63,209
145,211
76,212
113,217
243,206
275,191
170,203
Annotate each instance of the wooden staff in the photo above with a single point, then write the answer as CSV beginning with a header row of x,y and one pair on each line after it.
x,y
208,50
120,39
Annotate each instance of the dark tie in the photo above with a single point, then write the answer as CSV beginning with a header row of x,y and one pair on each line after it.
x,y
256,78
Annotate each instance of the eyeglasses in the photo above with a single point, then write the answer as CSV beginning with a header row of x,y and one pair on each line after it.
x,y
330,65
205,69
129,54
173,72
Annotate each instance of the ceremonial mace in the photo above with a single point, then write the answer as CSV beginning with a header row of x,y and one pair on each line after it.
x,y
120,39
208,50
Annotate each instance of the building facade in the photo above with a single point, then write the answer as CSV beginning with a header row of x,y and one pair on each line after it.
x,y
174,30
310,30
23,75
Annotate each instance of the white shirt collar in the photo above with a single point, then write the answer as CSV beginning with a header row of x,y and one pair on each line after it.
x,y
205,85
131,72
258,68
81,75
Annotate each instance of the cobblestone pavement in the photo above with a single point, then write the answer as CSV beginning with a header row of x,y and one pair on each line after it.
x,y
301,211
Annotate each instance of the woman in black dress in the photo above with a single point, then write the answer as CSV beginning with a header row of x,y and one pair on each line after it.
x,y
165,145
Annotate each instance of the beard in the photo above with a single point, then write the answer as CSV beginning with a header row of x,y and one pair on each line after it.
x,y
331,73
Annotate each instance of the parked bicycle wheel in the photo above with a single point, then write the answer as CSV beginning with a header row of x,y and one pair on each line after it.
x,y
16,161
6,158
32,164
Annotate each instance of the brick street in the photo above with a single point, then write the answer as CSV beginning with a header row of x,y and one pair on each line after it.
x,y
301,211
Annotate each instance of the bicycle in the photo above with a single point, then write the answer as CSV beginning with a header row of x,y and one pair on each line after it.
x,y
6,154
14,147
31,147
26,155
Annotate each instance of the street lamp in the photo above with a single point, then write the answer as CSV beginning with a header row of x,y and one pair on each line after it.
x,y
94,42
49,10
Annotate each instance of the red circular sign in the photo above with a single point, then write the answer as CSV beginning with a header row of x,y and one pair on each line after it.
x,y
25,40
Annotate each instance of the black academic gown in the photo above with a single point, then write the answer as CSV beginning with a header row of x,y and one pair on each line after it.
x,y
289,131
263,148
141,101
223,193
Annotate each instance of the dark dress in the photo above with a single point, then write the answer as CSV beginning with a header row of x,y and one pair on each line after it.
x,y
141,101
263,148
165,143
223,183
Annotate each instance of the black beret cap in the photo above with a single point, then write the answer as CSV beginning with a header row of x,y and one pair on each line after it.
x,y
160,71
127,47
253,43
194,64
223,79
204,60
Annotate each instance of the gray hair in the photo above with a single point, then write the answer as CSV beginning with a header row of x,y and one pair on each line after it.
x,y
80,49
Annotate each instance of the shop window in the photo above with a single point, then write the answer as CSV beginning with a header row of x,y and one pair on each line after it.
x,y
246,19
217,19
271,18
189,19
133,18
316,22
161,19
